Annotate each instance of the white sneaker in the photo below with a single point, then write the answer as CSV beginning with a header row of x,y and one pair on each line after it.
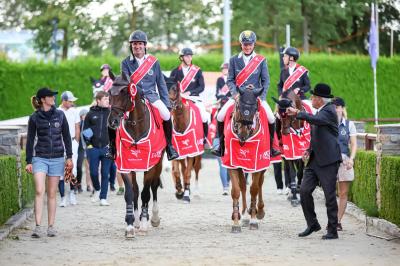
x,y
279,191
96,196
103,202
63,202
286,191
72,198
225,191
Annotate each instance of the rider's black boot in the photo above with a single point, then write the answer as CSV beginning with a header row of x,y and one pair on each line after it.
x,y
171,152
271,128
219,149
205,130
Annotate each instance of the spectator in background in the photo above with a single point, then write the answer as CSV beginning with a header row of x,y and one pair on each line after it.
x,y
72,115
82,157
45,156
348,148
95,133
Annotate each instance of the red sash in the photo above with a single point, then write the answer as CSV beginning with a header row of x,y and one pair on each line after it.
x,y
190,142
254,155
108,84
139,73
144,154
294,145
189,77
300,71
246,72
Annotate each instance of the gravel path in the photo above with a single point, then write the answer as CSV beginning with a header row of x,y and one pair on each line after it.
x,y
195,234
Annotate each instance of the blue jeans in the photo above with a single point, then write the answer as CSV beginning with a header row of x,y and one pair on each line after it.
x,y
223,172
113,174
95,156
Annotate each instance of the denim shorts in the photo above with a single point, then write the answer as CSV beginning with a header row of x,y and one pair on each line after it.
x,y
52,167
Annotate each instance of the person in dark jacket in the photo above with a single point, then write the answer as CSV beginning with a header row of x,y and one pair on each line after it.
x,y
152,84
196,85
95,133
302,85
222,90
47,139
324,158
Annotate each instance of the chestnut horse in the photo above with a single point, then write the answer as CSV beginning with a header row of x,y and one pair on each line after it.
x,y
244,128
137,125
293,167
181,119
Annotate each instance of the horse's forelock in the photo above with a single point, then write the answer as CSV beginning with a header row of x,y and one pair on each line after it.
x,y
118,85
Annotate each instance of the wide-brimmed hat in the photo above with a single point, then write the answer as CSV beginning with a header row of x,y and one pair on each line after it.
x,y
322,90
338,102
68,96
45,92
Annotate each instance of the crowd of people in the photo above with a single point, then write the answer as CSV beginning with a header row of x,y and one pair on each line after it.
x,y
64,137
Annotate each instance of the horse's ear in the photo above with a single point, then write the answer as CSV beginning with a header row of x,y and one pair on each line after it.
x,y
112,76
242,90
275,99
257,92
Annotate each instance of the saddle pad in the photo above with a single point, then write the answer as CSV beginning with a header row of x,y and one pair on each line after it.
x,y
144,154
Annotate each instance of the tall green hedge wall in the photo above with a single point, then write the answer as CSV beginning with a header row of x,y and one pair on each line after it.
x,y
9,187
363,188
349,75
390,189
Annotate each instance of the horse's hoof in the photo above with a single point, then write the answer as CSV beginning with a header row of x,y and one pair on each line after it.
x,y
186,199
245,222
179,195
253,226
295,202
155,223
130,232
236,229
260,214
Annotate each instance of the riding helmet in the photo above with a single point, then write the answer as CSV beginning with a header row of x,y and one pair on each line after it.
x,y
247,37
291,51
138,36
186,51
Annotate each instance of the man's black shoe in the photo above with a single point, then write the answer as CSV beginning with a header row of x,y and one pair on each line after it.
x,y
171,152
330,236
310,230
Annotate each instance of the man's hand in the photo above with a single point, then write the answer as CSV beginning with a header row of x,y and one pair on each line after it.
x,y
28,168
292,111
296,90
305,156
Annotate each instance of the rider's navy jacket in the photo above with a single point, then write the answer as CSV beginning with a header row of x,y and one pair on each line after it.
x,y
259,78
303,83
52,134
152,81
196,85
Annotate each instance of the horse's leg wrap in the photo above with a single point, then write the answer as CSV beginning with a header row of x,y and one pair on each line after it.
x,y
187,186
145,213
236,211
129,218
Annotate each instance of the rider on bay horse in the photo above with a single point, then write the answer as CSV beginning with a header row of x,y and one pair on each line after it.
x,y
191,83
152,81
257,75
293,75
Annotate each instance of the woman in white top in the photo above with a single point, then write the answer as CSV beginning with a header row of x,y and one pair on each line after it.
x,y
348,147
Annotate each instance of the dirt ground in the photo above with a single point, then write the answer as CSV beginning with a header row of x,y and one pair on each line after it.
x,y
195,234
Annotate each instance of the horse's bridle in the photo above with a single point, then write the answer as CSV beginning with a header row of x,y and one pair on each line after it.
x,y
293,118
176,104
246,123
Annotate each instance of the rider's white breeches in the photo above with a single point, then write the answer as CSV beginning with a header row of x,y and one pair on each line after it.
x,y
164,112
204,114
222,113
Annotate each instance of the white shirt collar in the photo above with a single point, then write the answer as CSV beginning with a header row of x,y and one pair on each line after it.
x,y
343,121
140,61
241,54
319,109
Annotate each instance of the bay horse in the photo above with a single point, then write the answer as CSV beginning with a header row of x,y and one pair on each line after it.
x,y
288,124
245,124
181,118
137,126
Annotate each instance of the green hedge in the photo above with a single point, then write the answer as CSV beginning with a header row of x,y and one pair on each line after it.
x,y
390,189
349,75
363,188
9,187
